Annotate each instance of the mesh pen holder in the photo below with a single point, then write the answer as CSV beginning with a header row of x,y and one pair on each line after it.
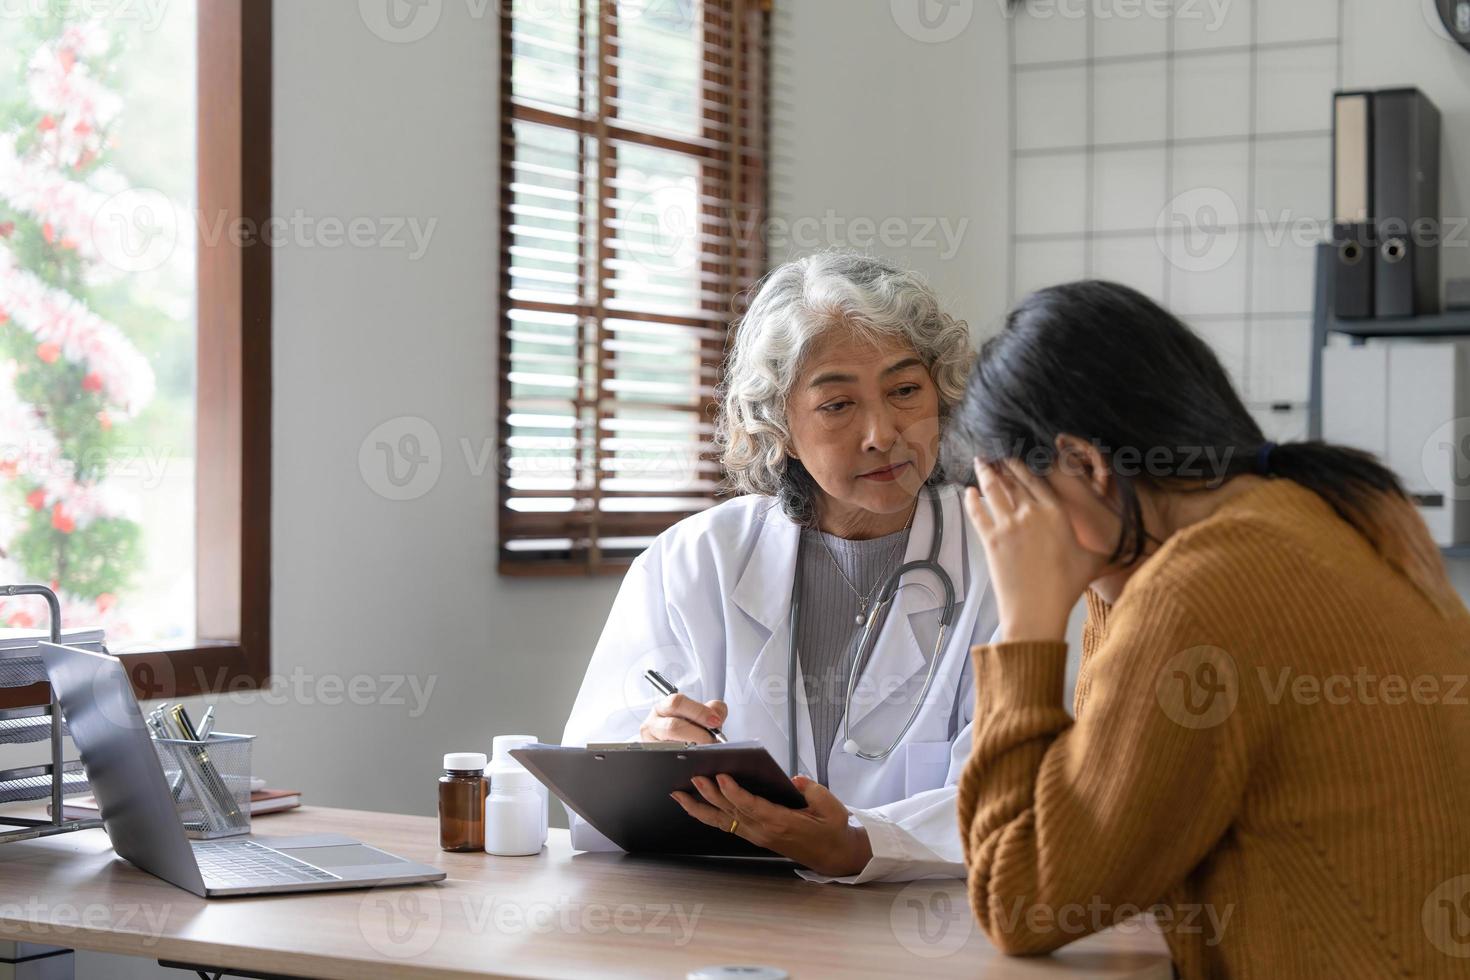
x,y
210,781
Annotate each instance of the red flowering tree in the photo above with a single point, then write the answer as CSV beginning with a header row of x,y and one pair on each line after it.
x,y
70,381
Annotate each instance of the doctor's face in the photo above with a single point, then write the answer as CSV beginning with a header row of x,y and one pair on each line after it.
x,y
864,421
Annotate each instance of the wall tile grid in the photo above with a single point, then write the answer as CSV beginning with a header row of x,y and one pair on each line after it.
x,y
1182,147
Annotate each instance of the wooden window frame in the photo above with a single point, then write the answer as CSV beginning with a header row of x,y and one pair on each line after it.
x,y
741,258
233,401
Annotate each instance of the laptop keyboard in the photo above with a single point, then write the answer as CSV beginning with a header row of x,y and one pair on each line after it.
x,y
232,863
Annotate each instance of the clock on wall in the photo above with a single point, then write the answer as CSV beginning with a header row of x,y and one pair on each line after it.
x,y
1456,17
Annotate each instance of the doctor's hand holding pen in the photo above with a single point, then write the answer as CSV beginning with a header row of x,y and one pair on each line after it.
x,y
679,718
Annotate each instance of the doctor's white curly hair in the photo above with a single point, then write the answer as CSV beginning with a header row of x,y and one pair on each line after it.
x,y
794,305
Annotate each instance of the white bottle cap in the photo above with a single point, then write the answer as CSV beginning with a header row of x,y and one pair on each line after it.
x,y
464,760
502,745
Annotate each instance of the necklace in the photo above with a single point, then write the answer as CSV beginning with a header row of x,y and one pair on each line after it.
x,y
863,600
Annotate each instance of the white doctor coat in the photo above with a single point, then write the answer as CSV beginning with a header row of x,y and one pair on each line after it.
x,y
708,605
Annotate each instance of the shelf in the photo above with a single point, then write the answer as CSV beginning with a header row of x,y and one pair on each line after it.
x,y
34,783
35,728
1452,323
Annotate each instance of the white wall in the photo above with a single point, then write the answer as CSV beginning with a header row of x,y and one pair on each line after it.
x,y
364,585
875,123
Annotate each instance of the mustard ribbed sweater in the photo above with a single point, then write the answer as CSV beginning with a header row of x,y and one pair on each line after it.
x,y
1271,748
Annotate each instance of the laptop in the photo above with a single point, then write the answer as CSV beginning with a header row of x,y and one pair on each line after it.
x,y
143,824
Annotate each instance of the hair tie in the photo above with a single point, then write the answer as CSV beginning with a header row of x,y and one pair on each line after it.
x,y
1263,458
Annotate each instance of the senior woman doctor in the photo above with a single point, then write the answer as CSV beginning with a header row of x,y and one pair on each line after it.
x,y
840,376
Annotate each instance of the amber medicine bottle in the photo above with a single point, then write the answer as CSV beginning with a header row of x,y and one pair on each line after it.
x,y
462,802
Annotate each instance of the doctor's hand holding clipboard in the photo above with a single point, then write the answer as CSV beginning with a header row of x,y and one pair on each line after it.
x,y
819,837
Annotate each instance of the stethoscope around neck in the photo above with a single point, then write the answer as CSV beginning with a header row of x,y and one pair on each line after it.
x,y
890,588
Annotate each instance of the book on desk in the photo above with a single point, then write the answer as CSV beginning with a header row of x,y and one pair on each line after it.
x,y
262,801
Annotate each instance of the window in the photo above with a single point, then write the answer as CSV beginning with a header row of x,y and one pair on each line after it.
x,y
633,181
134,336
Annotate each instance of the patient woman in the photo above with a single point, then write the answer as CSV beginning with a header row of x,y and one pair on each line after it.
x,y
1271,744
838,381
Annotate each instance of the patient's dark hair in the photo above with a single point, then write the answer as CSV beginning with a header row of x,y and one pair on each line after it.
x,y
1102,362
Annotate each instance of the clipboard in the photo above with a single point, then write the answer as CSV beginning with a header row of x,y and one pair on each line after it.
x,y
623,791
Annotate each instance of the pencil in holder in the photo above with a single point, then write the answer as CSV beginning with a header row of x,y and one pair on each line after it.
x,y
210,782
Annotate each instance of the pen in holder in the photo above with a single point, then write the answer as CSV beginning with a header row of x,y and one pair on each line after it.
x,y
210,780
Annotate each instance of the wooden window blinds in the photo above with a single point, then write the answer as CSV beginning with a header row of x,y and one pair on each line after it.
x,y
633,183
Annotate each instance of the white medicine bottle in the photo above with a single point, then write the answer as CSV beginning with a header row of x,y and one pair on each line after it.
x,y
501,761
513,814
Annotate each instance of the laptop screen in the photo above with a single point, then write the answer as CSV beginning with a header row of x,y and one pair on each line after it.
x,y
122,766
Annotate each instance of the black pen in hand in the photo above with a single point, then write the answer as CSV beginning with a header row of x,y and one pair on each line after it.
x,y
664,687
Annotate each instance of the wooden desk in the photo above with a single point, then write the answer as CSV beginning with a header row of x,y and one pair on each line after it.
x,y
554,915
